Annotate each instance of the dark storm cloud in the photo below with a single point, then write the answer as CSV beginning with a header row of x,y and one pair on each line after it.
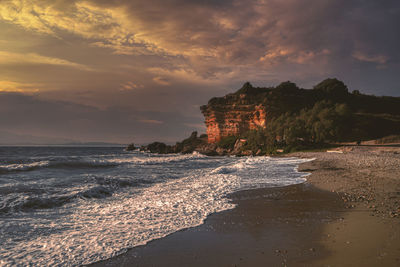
x,y
222,40
289,39
126,63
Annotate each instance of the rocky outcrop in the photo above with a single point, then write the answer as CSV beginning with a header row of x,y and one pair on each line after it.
x,y
252,108
131,147
232,117
188,145
294,118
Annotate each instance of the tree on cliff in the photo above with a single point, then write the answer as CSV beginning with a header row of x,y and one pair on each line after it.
x,y
324,122
287,87
333,88
247,88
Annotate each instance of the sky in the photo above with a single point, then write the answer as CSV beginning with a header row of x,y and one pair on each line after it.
x,y
137,71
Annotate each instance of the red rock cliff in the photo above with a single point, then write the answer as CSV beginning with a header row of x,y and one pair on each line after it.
x,y
232,115
254,107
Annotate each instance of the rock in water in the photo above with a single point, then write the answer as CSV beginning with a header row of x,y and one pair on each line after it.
x,y
130,147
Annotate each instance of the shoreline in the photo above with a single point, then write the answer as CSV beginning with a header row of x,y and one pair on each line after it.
x,y
367,179
344,215
273,225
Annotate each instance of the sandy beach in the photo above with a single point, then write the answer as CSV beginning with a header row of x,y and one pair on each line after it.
x,y
346,214
367,179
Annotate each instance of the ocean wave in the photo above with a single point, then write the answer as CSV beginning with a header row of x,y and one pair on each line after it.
x,y
20,189
230,168
290,160
103,187
96,230
158,159
87,163
96,192
30,203
23,166
102,230
81,164
122,182
12,205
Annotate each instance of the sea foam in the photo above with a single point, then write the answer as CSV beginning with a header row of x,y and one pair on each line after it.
x,y
106,219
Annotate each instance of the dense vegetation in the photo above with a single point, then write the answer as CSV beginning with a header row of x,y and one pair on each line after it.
x,y
188,145
314,127
303,118
130,147
298,119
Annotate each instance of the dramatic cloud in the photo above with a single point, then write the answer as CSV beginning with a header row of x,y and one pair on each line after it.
x,y
172,56
10,86
161,81
8,58
379,59
130,86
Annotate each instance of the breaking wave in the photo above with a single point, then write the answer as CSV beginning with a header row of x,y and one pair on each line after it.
x,y
150,159
30,200
22,167
85,209
97,163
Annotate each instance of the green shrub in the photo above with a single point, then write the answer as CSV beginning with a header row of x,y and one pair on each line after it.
x,y
227,142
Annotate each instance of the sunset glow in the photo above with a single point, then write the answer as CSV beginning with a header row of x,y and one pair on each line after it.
x,y
139,70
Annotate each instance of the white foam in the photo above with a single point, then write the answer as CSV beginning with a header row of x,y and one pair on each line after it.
x,y
100,229
103,230
271,172
151,158
24,166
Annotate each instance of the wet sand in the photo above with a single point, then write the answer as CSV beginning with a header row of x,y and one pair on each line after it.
x,y
344,215
274,226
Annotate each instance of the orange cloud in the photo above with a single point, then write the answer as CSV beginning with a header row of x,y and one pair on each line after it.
x,y
161,80
379,59
128,86
10,86
7,58
212,42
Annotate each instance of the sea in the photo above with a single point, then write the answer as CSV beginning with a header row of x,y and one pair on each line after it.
x,y
70,206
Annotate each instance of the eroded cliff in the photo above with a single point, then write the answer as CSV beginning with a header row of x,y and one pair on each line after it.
x,y
252,108
259,120
232,119
244,110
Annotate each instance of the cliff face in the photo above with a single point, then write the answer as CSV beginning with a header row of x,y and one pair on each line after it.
x,y
251,108
234,114
292,118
